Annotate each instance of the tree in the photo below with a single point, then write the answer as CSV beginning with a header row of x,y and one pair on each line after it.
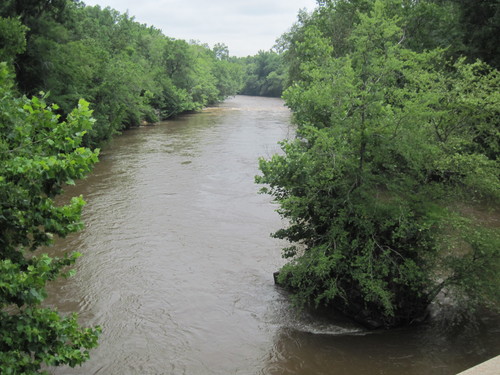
x,y
480,23
38,155
265,74
12,38
389,141
221,51
130,72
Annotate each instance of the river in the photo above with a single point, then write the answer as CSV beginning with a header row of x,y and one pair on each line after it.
x,y
177,265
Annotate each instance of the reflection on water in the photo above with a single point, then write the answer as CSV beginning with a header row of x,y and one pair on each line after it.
x,y
177,264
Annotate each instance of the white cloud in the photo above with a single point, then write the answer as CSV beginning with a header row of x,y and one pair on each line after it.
x,y
245,26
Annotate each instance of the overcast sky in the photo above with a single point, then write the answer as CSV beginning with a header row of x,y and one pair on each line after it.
x,y
244,26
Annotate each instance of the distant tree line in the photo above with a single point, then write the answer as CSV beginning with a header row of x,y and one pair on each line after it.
x,y
467,28
128,71
265,74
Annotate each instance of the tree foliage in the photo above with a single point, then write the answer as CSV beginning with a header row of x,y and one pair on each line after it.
x,y
265,74
39,153
480,26
12,39
389,140
129,72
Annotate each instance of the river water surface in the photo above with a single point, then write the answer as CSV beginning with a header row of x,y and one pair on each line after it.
x,y
177,264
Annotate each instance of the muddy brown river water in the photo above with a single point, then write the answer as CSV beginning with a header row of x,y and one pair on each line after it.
x,y
177,265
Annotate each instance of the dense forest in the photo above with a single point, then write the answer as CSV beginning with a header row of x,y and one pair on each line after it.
x,y
129,72
396,161
264,74
397,151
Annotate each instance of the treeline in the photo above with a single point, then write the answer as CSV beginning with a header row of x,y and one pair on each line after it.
x,y
396,158
128,71
467,28
463,28
265,74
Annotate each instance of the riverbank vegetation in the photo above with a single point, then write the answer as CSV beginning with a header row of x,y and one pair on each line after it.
x,y
39,153
130,72
59,53
265,74
398,111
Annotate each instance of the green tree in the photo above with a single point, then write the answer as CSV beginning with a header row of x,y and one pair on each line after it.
x,y
43,19
426,24
129,72
389,140
12,39
38,155
480,26
221,51
229,76
265,74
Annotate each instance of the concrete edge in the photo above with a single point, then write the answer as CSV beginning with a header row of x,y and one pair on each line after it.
x,y
490,367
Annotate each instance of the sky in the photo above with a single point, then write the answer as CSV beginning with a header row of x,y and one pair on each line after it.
x,y
244,26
